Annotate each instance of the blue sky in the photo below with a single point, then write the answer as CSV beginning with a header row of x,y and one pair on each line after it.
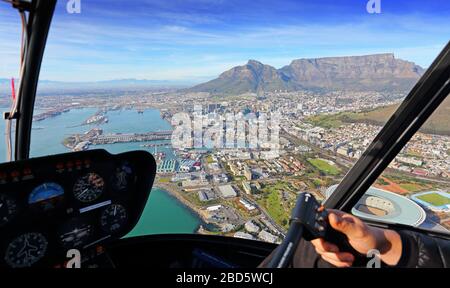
x,y
195,40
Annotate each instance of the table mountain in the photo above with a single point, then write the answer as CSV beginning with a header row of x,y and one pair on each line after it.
x,y
371,72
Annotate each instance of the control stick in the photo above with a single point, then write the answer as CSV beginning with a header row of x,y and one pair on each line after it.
x,y
309,221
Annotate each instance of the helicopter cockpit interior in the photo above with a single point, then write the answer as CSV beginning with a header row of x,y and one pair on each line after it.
x,y
84,204
88,201
77,200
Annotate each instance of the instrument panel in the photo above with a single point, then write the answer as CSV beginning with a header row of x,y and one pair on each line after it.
x,y
79,200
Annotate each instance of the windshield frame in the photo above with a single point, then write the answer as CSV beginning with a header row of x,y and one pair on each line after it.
x,y
402,125
39,20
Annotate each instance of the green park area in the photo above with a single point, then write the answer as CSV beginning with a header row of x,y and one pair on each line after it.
x,y
164,179
324,166
436,124
326,121
209,159
434,199
413,186
272,202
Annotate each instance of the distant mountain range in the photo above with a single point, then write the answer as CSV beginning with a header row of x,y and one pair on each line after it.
x,y
379,72
120,84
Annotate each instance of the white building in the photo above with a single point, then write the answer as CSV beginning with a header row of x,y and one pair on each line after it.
x,y
251,227
227,191
214,208
247,205
247,187
243,235
267,237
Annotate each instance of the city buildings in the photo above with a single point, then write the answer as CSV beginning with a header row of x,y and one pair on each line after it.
x,y
227,191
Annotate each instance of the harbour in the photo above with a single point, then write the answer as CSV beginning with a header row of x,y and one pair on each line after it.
x,y
47,140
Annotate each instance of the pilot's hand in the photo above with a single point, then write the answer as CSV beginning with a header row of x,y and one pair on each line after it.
x,y
362,238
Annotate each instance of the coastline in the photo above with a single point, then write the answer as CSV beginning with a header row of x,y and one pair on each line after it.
x,y
168,188
180,199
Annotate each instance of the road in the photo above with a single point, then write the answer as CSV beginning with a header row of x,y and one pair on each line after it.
x,y
245,197
347,164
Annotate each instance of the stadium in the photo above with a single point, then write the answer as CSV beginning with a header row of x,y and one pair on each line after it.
x,y
434,200
381,205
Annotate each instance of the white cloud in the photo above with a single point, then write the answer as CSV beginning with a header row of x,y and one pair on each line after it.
x,y
91,49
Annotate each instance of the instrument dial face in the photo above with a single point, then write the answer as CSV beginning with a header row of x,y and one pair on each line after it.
x,y
122,176
88,188
75,233
47,196
8,209
26,250
113,218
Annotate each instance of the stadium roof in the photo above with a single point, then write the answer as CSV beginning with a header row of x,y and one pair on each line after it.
x,y
404,210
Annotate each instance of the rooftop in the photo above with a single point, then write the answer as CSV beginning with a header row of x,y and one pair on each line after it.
x,y
227,191
385,206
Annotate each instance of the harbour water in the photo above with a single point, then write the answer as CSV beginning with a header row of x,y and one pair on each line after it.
x,y
162,213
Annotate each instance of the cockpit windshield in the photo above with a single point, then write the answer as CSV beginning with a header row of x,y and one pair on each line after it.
x,y
243,104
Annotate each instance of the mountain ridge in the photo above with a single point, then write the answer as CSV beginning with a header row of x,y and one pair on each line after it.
x,y
367,72
75,86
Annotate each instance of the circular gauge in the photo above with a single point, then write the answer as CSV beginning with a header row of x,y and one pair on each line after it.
x,y
122,176
26,250
75,233
113,218
88,188
47,196
8,209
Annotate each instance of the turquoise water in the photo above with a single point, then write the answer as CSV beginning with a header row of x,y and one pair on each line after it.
x,y
162,213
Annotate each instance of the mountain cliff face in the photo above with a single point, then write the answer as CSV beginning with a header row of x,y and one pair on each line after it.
x,y
252,77
372,72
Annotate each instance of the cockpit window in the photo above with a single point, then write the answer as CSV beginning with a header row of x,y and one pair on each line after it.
x,y
243,104
414,189
10,34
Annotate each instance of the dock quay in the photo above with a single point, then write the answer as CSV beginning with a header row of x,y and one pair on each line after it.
x,y
100,139
132,137
153,145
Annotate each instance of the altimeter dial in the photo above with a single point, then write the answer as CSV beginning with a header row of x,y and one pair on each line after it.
x,y
113,218
89,188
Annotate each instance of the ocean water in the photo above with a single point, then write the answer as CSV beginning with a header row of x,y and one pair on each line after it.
x,y
162,214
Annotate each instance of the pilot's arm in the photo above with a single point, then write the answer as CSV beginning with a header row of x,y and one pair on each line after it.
x,y
362,238
397,249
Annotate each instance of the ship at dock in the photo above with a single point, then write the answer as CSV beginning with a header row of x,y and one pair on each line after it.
x,y
97,119
50,114
96,136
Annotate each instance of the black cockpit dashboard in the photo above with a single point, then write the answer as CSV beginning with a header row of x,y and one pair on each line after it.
x,y
82,200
